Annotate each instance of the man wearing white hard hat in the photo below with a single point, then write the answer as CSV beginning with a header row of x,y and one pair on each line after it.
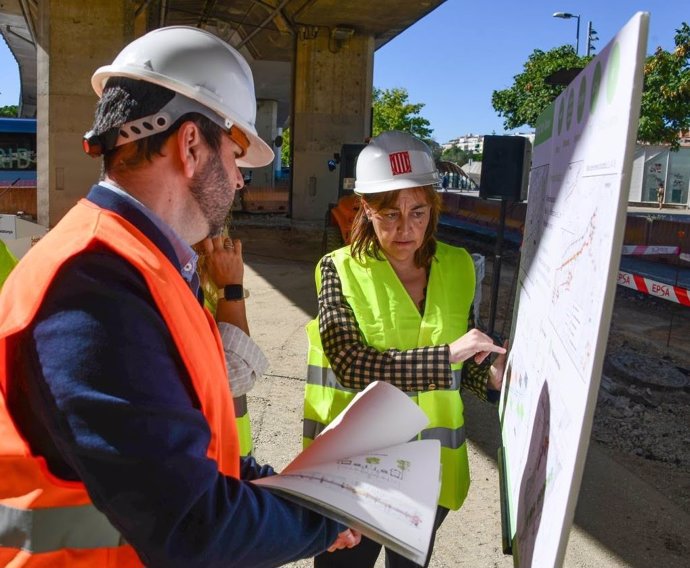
x,y
118,446
396,305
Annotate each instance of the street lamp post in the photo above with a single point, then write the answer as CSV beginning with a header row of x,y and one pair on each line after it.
x,y
591,38
567,16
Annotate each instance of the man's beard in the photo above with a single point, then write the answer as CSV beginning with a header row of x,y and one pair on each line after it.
x,y
214,193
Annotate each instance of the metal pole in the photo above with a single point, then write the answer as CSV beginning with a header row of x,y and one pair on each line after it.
x,y
589,37
577,37
670,321
681,236
496,270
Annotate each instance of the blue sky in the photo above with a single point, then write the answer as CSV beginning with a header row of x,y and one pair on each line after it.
x,y
453,59
9,76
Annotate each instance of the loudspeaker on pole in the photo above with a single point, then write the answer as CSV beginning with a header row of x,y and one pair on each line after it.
x,y
505,168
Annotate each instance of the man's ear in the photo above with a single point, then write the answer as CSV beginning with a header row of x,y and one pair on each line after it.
x,y
191,148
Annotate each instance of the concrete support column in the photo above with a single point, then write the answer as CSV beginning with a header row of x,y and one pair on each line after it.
x,y
331,107
74,39
267,128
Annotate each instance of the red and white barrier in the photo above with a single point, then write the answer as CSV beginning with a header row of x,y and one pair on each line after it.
x,y
652,249
654,288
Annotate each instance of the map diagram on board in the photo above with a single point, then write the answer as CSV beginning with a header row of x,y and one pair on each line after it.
x,y
579,277
574,224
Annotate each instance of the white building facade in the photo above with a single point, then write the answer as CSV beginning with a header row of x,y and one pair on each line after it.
x,y
653,165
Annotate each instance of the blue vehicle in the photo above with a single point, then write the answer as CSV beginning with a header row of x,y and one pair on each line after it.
x,y
17,152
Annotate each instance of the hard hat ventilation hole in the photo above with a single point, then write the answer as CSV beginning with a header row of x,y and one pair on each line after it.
x,y
143,127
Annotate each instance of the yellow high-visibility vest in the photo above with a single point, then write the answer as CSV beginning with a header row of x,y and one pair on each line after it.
x,y
7,262
389,319
244,427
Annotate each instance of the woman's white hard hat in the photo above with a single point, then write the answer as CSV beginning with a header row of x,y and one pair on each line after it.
x,y
394,160
201,67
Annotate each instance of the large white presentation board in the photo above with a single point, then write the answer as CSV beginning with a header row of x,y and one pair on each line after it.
x,y
581,165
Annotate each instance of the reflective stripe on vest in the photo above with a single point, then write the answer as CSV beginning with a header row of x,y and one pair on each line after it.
x,y
451,438
388,318
45,530
55,519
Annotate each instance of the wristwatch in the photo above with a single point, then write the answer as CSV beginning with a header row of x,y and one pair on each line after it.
x,y
235,292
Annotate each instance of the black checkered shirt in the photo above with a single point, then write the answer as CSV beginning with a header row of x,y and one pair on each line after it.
x,y
356,364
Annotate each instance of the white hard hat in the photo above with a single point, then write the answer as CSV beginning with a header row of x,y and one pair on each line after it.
x,y
203,68
394,160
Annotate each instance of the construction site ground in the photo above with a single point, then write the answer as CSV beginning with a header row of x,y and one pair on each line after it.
x,y
634,502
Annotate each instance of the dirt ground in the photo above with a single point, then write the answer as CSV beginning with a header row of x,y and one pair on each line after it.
x,y
643,411
633,503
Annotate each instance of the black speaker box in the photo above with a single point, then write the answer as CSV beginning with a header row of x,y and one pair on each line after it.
x,y
505,168
348,159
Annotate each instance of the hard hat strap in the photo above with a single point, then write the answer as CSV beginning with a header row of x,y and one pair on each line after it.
x,y
143,127
179,105
160,121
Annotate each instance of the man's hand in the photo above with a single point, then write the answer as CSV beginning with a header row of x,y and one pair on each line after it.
x,y
223,260
346,539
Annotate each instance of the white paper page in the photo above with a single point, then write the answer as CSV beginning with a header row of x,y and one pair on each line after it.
x,y
379,416
393,491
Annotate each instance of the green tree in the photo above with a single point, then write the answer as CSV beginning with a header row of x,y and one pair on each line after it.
x,y
666,96
10,111
393,111
435,147
285,148
530,94
459,156
665,110
456,155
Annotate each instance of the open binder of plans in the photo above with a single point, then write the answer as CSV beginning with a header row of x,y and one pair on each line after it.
x,y
363,471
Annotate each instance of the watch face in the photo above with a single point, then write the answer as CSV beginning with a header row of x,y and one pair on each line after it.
x,y
233,292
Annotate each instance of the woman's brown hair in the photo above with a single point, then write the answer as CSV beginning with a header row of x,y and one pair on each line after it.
x,y
363,240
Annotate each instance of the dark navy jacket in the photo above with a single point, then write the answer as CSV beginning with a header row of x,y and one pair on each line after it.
x,y
106,399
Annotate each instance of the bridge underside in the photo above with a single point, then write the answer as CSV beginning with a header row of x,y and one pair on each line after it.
x,y
312,62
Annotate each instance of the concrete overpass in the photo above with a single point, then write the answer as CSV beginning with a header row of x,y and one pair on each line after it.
x,y
312,62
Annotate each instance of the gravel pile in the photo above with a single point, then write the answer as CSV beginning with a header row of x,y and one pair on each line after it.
x,y
648,423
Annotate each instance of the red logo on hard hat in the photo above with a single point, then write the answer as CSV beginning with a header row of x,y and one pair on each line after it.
x,y
400,163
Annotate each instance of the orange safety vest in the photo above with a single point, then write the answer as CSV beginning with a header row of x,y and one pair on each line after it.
x,y
52,523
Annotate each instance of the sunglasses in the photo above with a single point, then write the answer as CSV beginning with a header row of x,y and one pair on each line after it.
x,y
239,138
